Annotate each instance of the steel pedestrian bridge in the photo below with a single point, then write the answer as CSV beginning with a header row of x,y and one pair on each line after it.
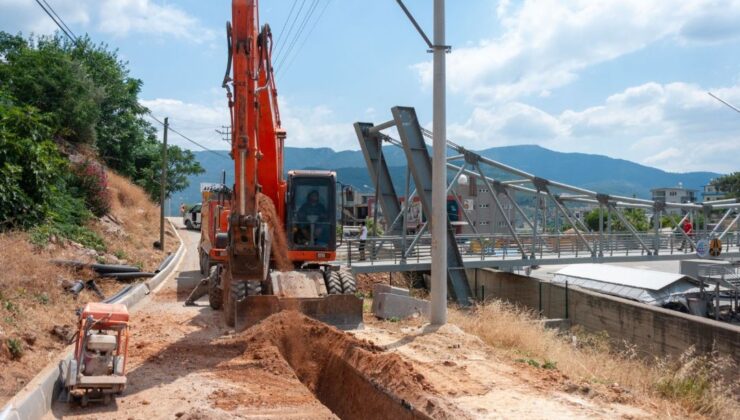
x,y
384,253
535,244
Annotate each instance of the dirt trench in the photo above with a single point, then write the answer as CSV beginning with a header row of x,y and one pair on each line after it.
x,y
353,378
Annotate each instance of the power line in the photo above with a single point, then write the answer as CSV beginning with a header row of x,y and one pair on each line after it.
x,y
61,20
299,32
285,24
186,137
724,102
279,47
303,41
59,25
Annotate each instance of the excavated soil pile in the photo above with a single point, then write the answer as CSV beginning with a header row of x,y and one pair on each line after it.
x,y
279,242
353,378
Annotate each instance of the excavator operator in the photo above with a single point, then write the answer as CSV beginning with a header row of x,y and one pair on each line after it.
x,y
312,216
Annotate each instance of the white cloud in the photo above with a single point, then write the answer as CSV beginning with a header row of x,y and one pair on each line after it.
x,y
676,127
113,17
120,17
544,44
317,126
306,127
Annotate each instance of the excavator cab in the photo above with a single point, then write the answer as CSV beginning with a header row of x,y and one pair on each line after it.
x,y
311,221
316,288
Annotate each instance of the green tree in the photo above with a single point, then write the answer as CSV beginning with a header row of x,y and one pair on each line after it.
x,y
90,98
30,164
180,163
41,74
592,219
728,184
669,220
636,217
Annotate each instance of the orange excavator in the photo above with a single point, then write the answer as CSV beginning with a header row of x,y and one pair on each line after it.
x,y
260,271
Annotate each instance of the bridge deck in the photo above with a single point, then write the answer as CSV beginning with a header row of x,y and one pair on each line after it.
x,y
512,260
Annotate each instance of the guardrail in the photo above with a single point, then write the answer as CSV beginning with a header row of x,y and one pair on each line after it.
x,y
409,249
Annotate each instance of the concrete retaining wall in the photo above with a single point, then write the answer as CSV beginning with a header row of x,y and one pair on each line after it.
x,y
655,331
35,399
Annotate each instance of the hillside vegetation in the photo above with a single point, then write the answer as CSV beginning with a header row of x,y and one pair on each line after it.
x,y
67,112
79,166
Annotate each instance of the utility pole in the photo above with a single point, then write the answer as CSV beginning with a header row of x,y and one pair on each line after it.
x,y
439,172
225,133
163,185
438,218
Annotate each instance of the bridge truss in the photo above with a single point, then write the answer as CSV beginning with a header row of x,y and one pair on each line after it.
x,y
534,245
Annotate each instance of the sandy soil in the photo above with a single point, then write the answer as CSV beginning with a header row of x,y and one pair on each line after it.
x,y
178,366
184,363
469,376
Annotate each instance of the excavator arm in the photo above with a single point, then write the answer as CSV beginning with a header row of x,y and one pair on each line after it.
x,y
249,291
257,141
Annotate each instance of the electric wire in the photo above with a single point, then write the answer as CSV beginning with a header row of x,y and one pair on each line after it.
x,y
285,24
61,20
59,25
169,127
279,48
303,41
299,32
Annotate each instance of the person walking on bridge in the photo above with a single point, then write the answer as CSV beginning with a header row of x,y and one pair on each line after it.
x,y
688,229
363,239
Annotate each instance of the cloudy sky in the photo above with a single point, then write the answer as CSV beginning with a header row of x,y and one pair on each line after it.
x,y
623,78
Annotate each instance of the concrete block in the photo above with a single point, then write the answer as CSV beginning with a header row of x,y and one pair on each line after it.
x,y
389,305
386,288
556,324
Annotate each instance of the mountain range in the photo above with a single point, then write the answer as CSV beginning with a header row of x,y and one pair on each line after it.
x,y
594,172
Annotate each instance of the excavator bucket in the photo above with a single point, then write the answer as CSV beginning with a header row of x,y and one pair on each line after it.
x,y
301,291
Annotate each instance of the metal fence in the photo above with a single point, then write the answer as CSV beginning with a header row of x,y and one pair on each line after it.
x,y
502,247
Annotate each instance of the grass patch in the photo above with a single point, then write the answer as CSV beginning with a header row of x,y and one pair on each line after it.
x,y
67,219
15,347
693,383
698,382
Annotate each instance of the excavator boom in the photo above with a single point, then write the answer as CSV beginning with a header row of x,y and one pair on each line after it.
x,y
251,285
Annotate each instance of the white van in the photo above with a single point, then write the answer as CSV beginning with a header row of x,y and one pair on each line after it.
x,y
191,219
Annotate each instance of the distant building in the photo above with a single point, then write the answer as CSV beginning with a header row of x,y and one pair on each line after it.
x,y
355,204
711,193
481,209
677,194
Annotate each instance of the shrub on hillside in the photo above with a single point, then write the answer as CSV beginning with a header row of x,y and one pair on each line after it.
x,y
30,165
89,98
90,179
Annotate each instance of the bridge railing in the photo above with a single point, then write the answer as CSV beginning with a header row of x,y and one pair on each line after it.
x,y
499,246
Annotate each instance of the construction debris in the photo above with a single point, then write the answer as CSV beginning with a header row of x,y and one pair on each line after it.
x,y
116,271
91,285
77,287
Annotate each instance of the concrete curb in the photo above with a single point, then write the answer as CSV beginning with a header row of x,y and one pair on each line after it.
x,y
35,399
